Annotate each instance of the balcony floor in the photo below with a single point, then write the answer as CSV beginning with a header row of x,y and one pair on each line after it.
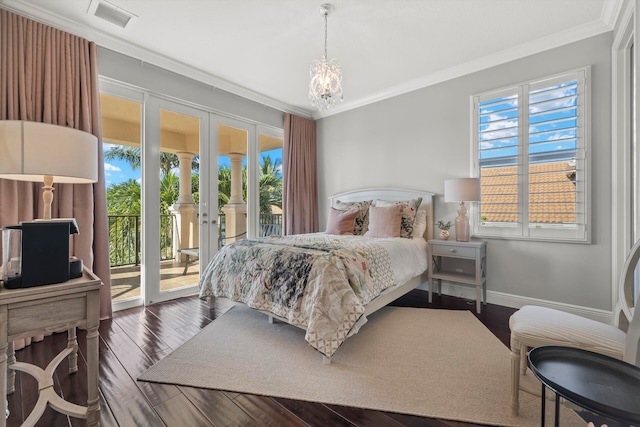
x,y
125,280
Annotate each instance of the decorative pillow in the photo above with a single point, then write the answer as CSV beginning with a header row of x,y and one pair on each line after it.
x,y
420,224
410,208
362,220
341,222
384,221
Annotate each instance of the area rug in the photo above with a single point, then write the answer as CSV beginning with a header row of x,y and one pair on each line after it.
x,y
434,363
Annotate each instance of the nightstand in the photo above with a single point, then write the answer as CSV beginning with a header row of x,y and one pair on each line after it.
x,y
26,312
475,250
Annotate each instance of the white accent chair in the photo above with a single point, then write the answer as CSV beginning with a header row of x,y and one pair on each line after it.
x,y
533,326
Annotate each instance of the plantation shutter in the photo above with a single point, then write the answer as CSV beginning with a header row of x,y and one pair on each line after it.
x,y
498,144
530,144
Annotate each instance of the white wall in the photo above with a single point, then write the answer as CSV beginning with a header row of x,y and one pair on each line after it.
x,y
419,139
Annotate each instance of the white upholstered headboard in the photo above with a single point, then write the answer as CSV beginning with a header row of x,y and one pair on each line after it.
x,y
391,194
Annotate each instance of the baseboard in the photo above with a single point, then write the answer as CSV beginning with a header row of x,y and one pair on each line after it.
x,y
517,301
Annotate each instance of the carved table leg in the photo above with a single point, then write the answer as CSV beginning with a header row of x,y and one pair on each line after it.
x,y
93,406
11,374
72,342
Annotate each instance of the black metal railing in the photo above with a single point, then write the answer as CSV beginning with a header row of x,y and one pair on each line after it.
x,y
124,236
270,224
124,239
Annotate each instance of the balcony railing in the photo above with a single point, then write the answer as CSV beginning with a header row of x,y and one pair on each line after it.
x,y
124,236
124,239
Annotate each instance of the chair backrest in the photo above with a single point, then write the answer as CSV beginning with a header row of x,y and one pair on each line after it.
x,y
632,343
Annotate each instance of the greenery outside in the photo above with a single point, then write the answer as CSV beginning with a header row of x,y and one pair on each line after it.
x,y
124,202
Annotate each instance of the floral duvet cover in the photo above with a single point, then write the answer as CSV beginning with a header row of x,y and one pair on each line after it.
x,y
317,281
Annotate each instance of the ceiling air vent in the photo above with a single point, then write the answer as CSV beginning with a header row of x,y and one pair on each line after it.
x,y
111,13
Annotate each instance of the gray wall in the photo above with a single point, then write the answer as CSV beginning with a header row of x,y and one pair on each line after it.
x,y
155,79
421,138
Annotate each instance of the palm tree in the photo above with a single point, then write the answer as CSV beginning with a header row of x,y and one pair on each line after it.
x,y
169,191
269,184
131,155
124,198
224,186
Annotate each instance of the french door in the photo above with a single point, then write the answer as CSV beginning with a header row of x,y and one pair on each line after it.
x,y
230,182
175,135
181,183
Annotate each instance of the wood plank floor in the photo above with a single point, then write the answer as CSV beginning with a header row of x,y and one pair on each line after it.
x,y
137,338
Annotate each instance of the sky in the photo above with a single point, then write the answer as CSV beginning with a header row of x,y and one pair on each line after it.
x,y
553,122
118,171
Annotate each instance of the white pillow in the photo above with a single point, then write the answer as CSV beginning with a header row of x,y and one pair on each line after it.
x,y
420,224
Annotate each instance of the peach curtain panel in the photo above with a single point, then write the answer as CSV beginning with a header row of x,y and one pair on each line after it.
x,y
50,76
300,181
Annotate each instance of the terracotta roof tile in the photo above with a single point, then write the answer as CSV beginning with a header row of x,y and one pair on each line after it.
x,y
552,197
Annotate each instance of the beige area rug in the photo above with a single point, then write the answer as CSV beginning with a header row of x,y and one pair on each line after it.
x,y
434,363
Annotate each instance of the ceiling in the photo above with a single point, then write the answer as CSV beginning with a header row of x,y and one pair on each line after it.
x,y
262,49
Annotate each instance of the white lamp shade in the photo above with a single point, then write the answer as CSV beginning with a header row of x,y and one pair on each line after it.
x,y
29,151
462,190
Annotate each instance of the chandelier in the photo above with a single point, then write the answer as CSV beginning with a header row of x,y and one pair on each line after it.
x,y
325,87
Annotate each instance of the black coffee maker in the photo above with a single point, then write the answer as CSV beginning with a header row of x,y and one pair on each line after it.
x,y
36,253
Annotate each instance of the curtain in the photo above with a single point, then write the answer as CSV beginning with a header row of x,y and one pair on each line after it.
x,y
50,76
300,182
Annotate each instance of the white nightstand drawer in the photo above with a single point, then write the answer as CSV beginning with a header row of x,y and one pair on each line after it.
x,y
453,251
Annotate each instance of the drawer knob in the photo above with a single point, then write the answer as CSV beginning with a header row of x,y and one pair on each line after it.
x,y
453,251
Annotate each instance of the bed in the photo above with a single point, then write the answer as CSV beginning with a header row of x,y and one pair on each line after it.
x,y
325,283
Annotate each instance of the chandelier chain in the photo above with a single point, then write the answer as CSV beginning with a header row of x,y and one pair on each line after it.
x,y
325,35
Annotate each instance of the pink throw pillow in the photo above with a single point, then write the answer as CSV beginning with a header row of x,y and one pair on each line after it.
x,y
341,222
385,221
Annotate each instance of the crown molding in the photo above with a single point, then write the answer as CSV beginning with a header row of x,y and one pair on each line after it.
x,y
610,13
118,45
536,46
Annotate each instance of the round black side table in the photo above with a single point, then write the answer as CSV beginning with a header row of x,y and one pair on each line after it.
x,y
593,381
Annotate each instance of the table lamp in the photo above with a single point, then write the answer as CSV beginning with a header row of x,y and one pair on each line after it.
x,y
33,151
462,190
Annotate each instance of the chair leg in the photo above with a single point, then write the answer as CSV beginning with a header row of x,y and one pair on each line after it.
x,y
523,360
515,377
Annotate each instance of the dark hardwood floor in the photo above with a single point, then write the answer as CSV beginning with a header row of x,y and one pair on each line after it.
x,y
137,338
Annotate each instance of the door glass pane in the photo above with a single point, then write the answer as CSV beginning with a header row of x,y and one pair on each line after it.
x,y
232,183
121,136
270,182
179,191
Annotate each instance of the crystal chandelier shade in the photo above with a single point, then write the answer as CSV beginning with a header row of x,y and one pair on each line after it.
x,y
325,87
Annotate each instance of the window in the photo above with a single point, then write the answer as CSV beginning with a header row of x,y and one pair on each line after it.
x,y
530,143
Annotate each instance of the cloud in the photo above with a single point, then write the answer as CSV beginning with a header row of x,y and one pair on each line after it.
x,y
484,145
111,168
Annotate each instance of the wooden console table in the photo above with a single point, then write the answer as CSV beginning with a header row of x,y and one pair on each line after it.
x,y
41,310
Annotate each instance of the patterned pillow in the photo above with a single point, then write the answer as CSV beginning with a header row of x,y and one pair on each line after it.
x,y
362,220
410,207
